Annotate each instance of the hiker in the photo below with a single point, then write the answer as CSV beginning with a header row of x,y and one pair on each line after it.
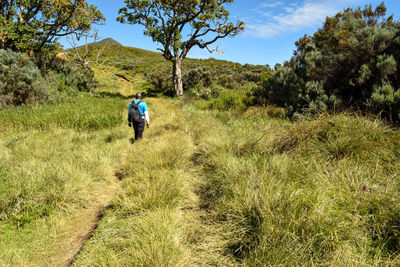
x,y
138,113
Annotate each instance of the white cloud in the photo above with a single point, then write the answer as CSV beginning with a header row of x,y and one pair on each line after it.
x,y
271,4
291,17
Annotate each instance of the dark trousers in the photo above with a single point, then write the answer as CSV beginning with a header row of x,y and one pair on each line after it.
x,y
138,127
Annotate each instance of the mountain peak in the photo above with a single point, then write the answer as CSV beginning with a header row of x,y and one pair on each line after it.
x,y
108,41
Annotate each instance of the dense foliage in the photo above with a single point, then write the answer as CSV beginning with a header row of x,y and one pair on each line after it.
x,y
352,61
69,77
20,80
34,25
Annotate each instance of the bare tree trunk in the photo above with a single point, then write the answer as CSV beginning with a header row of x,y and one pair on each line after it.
x,y
177,76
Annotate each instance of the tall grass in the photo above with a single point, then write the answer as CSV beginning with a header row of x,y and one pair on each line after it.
x,y
142,226
82,114
55,172
322,192
50,183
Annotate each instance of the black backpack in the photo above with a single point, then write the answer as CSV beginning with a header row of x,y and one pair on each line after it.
x,y
134,113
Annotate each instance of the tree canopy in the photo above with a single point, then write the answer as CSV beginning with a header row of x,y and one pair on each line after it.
x,y
34,24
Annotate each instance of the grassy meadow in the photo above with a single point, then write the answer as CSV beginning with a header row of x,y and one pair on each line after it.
x,y
203,188
57,170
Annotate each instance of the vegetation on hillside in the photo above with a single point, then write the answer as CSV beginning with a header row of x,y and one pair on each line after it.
x,y
20,80
205,79
33,28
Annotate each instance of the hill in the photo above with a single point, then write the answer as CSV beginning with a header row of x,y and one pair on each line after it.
x,y
202,78
108,41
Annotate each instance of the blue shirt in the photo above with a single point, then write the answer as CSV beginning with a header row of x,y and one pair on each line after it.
x,y
142,106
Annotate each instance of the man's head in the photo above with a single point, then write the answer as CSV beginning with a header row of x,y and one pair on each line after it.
x,y
138,96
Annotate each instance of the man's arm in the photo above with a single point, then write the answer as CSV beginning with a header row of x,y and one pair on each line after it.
x,y
146,115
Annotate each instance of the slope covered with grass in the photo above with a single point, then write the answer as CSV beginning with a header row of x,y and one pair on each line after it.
x,y
202,78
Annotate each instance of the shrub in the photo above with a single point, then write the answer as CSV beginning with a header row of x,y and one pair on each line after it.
x,y
211,92
386,98
229,99
20,80
69,77
350,62
161,83
65,76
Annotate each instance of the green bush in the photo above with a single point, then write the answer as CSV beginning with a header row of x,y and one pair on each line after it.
x,y
386,98
205,93
161,82
350,62
79,77
20,80
228,100
65,76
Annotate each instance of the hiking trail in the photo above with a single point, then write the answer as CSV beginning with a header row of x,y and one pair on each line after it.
x,y
158,205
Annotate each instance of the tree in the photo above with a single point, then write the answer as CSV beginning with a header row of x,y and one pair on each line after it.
x,y
34,24
166,21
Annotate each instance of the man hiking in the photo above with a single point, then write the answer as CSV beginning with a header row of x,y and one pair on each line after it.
x,y
138,113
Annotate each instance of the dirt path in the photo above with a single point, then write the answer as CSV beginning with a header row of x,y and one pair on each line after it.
x,y
84,234
88,221
206,243
164,223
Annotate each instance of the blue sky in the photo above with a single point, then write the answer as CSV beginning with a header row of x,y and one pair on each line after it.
x,y
272,27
